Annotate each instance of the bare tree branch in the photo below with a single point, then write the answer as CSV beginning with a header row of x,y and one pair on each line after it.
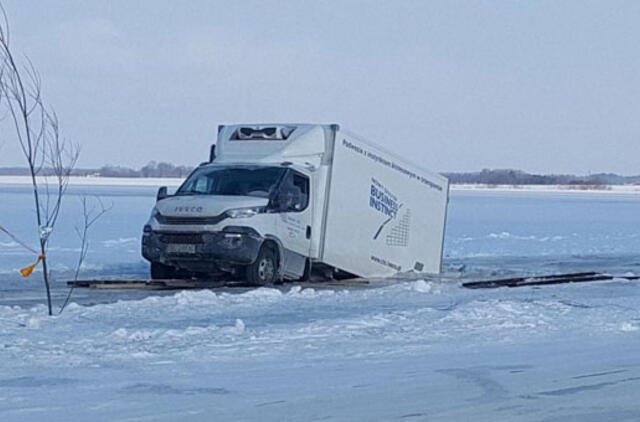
x,y
89,217
37,131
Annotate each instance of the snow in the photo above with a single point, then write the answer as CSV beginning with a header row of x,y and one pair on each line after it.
x,y
419,349
369,353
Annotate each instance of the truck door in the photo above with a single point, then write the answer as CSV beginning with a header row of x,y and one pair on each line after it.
x,y
294,224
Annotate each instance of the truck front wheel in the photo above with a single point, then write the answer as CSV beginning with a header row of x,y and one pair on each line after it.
x,y
264,271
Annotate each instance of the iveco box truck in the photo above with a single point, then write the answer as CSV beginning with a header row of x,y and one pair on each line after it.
x,y
278,200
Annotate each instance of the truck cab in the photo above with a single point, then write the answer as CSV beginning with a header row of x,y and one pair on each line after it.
x,y
247,213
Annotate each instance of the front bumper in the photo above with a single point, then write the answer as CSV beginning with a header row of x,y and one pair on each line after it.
x,y
202,251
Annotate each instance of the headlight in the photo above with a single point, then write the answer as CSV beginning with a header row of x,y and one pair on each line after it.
x,y
244,212
155,213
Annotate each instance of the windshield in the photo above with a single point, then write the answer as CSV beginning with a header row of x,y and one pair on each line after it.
x,y
233,181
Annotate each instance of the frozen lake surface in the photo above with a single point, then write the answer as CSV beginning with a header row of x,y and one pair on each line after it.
x,y
416,350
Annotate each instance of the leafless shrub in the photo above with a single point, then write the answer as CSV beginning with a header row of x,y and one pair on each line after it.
x,y
90,215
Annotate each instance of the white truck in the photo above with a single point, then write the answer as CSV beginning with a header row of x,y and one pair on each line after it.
x,y
276,201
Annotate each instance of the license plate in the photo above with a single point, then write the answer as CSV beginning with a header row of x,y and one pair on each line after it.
x,y
178,248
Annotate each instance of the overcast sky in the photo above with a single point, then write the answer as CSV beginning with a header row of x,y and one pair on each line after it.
x,y
543,86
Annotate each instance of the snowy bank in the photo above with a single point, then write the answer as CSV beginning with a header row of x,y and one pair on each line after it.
x,y
174,182
401,352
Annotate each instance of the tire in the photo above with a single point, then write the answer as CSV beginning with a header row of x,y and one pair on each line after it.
x,y
162,272
264,271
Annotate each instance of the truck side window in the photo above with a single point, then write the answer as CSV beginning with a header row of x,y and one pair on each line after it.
x,y
302,183
293,195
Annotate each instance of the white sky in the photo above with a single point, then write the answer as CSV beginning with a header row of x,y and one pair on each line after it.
x,y
543,86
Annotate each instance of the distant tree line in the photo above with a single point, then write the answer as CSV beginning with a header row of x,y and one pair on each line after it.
x,y
152,169
518,177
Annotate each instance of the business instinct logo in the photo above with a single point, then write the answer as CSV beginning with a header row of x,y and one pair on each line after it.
x,y
386,203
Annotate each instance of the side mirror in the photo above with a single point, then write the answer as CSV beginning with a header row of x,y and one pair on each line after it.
x,y
212,153
274,202
162,193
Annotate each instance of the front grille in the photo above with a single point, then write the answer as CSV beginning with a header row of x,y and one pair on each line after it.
x,y
163,219
182,238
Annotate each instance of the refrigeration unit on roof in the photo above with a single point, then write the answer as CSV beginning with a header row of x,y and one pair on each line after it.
x,y
262,133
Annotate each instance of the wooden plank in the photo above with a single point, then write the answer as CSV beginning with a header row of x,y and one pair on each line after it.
x,y
124,286
542,280
132,284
